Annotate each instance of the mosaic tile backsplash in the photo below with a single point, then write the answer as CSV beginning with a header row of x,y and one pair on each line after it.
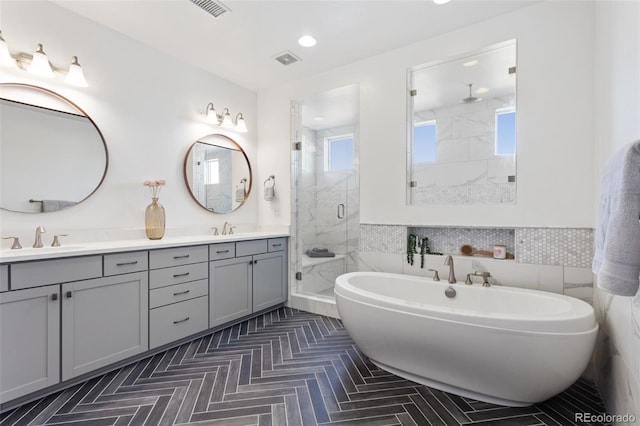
x,y
541,246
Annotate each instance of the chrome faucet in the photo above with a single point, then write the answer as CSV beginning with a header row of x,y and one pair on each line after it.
x,y
38,242
485,278
449,262
224,228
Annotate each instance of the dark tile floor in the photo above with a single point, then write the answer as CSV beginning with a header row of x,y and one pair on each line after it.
x,y
283,368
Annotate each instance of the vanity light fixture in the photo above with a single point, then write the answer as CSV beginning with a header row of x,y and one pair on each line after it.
x,y
241,126
441,1
39,64
5,55
224,120
470,63
227,122
75,76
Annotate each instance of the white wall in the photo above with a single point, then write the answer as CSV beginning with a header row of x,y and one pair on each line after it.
x,y
147,105
617,116
555,123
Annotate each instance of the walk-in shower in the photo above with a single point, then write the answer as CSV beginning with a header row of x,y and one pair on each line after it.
x,y
326,225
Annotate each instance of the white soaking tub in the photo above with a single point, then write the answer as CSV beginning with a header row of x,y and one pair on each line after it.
x,y
497,344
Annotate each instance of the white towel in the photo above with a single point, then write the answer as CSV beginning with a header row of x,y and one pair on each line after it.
x,y
617,251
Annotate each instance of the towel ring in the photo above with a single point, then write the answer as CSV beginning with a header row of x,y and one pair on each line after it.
x,y
271,178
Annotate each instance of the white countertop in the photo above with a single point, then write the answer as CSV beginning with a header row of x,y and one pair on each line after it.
x,y
88,248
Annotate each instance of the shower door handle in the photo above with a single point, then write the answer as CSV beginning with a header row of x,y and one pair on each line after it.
x,y
340,211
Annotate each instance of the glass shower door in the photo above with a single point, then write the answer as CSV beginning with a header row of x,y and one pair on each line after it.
x,y
325,178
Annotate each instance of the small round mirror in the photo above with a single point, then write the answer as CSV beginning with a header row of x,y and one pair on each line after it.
x,y
52,154
217,173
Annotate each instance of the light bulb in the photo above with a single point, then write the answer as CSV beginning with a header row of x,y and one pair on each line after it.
x,y
40,64
75,76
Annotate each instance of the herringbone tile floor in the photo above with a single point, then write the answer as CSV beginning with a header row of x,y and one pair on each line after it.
x,y
283,368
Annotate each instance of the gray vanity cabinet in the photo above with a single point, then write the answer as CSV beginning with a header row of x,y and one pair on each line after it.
x,y
178,303
230,295
253,280
104,320
269,282
30,346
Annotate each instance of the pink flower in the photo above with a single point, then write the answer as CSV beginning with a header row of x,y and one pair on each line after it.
x,y
155,185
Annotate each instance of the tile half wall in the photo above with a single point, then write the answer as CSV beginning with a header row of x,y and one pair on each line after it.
x,y
549,259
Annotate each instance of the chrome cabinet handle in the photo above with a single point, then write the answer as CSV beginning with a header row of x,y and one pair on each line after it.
x,y
181,275
222,251
181,257
277,245
181,293
69,294
340,211
182,320
54,296
135,262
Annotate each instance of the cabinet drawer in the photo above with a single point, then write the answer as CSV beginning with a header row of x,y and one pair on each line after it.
x,y
222,251
165,258
177,275
123,263
277,244
4,277
177,293
44,272
173,322
248,248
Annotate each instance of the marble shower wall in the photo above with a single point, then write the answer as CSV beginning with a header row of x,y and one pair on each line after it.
x,y
467,171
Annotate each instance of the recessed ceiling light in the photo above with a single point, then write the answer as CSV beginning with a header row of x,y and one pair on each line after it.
x,y
482,90
441,1
307,41
318,118
470,63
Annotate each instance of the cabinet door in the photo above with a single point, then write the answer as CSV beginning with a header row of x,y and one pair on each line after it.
x,y
103,321
229,289
29,341
269,283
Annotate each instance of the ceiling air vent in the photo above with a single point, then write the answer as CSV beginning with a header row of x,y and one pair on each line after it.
x,y
287,58
214,8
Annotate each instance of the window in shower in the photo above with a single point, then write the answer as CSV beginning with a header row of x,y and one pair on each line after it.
x,y
212,168
505,131
338,153
424,142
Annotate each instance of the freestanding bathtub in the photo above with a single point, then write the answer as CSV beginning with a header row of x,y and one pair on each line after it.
x,y
496,344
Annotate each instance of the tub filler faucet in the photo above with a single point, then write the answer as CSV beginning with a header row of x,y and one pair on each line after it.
x,y
449,262
485,278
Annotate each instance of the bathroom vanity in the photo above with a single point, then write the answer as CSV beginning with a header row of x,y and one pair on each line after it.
x,y
74,312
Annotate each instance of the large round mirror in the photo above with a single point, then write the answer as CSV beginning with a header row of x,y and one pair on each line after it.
x,y
217,173
52,155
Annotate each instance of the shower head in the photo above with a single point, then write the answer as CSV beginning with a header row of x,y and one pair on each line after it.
x,y
470,99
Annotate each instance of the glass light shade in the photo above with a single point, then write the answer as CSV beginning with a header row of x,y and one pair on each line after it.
x,y
227,121
75,76
40,64
211,114
241,126
5,55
